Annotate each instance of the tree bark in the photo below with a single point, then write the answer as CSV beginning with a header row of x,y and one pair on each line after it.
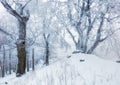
x,y
33,63
27,61
10,61
21,47
3,65
47,53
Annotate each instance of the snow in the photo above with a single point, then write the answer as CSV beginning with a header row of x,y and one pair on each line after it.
x,y
79,69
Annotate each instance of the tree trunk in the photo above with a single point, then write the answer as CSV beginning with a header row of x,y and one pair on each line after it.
x,y
80,40
21,47
10,61
27,61
93,47
33,64
79,44
47,54
3,65
46,49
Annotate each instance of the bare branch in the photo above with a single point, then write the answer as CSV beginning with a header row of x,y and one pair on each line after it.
x,y
73,38
101,40
10,9
26,4
115,17
48,36
5,32
66,26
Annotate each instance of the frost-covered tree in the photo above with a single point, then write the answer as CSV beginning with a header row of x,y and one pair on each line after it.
x,y
90,20
22,17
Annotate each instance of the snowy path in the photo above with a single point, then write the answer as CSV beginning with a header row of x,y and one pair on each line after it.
x,y
70,71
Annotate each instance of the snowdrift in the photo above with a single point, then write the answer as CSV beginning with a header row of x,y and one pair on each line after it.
x,y
77,69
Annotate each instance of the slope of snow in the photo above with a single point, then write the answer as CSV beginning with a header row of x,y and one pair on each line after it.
x,y
79,69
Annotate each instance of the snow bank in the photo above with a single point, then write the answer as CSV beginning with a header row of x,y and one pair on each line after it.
x,y
79,69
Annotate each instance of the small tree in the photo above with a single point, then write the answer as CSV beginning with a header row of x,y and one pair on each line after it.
x,y
47,52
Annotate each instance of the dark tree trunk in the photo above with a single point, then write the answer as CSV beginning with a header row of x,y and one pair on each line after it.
x,y
21,47
47,54
9,61
3,64
33,63
27,61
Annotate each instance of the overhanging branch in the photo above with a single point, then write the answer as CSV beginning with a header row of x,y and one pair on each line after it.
x,y
10,9
101,40
5,32
26,4
1,30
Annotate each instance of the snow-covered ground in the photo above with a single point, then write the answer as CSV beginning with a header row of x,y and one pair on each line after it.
x,y
79,69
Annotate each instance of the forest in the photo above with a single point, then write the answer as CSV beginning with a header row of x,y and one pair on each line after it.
x,y
42,32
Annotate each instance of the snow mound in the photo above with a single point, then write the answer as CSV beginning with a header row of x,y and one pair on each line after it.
x,y
77,69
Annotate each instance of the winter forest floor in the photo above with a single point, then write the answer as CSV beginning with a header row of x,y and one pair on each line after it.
x,y
79,69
